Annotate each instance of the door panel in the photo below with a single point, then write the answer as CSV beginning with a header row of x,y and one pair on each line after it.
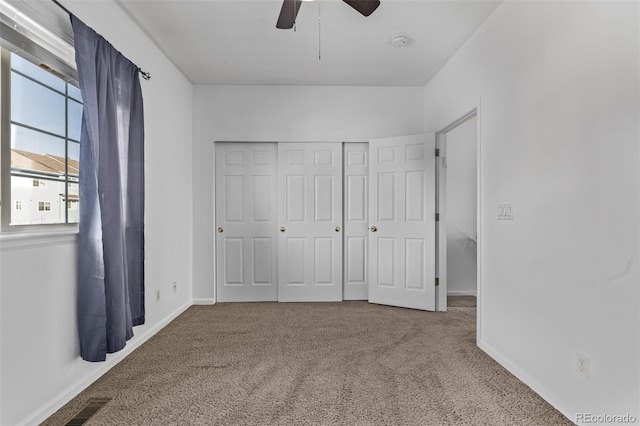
x,y
356,220
324,191
263,261
232,204
233,261
402,219
262,203
246,200
386,191
296,198
414,267
310,237
295,261
386,262
324,261
415,204
356,191
356,271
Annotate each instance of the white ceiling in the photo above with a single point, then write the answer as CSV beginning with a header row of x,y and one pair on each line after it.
x,y
237,42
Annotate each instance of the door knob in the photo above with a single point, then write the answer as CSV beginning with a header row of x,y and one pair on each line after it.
x,y
373,229
337,229
282,229
220,230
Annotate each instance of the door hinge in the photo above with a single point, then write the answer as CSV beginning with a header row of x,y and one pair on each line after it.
x,y
437,217
437,282
437,152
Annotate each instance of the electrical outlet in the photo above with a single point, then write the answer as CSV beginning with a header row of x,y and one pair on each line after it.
x,y
157,295
175,286
582,365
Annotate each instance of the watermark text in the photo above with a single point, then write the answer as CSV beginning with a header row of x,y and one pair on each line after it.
x,y
591,418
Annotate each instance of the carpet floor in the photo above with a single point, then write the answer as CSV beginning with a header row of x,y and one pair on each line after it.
x,y
349,363
461,301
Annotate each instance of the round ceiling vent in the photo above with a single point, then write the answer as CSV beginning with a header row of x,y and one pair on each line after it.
x,y
400,41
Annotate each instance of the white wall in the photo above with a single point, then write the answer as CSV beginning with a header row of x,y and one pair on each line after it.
x,y
461,157
40,366
284,113
558,88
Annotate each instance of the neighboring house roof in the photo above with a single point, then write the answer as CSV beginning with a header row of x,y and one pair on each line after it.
x,y
71,197
43,163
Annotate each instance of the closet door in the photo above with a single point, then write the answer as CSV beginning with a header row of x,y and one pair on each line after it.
x,y
356,220
402,219
246,222
310,225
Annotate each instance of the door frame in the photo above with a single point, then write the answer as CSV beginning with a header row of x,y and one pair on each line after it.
x,y
474,110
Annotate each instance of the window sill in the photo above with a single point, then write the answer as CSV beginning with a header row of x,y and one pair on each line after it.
x,y
36,238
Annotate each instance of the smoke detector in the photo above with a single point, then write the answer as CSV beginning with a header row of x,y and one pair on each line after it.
x,y
400,41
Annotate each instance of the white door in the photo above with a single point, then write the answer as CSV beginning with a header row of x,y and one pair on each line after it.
x,y
356,220
246,214
402,221
310,222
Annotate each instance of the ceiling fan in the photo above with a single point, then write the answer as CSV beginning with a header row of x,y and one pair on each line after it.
x,y
290,9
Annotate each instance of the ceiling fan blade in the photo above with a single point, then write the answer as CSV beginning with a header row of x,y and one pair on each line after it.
x,y
365,7
288,14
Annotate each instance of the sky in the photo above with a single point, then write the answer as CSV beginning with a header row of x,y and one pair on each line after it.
x,y
43,108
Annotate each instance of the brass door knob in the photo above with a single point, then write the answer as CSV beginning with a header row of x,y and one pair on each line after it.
x,y
337,229
373,229
282,229
220,230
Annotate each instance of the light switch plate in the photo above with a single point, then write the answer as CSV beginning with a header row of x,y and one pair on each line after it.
x,y
505,212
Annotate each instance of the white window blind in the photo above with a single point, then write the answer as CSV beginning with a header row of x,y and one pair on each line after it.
x,y
41,32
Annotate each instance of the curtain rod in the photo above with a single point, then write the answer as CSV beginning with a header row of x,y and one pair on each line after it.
x,y
145,75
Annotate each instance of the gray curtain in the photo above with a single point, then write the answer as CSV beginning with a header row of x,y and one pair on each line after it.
x,y
111,239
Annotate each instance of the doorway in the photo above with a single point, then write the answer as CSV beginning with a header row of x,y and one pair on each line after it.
x,y
458,190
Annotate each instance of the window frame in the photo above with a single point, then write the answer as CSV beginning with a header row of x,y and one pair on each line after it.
x,y
6,203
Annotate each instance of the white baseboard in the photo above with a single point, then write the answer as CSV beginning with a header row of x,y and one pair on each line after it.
x,y
526,378
461,293
204,301
47,409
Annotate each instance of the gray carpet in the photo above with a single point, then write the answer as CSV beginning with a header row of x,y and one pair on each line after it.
x,y
461,301
349,363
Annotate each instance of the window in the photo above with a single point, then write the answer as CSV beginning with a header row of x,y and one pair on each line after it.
x,y
44,118
40,116
72,205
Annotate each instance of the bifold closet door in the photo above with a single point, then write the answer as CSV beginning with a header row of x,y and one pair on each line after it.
x,y
356,220
246,222
402,221
310,222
